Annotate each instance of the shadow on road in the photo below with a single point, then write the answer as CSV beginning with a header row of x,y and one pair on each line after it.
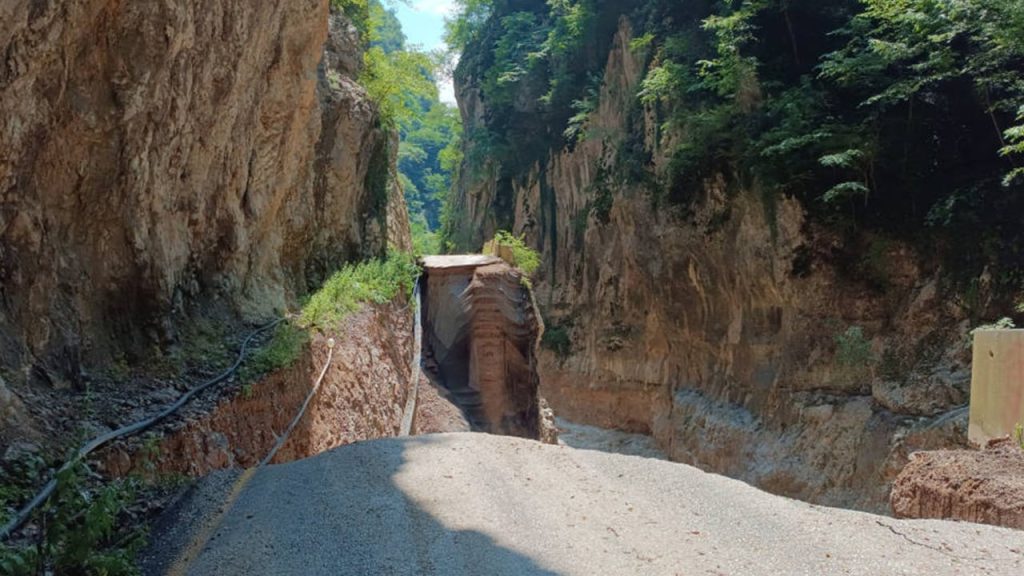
x,y
584,437
344,512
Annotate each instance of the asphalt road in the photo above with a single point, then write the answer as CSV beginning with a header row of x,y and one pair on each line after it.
x,y
472,504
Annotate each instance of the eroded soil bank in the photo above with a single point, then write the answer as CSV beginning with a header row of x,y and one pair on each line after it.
x,y
481,337
362,396
985,486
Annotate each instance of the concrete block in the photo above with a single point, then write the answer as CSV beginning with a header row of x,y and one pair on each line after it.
x,y
997,384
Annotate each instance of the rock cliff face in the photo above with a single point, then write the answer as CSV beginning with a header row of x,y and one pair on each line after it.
x,y
480,337
162,158
741,334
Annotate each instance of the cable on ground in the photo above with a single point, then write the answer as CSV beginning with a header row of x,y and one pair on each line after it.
x,y
22,516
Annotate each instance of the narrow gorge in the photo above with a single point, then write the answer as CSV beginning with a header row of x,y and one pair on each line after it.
x,y
271,292
752,328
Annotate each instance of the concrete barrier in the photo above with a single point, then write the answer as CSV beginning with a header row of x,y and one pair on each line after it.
x,y
997,384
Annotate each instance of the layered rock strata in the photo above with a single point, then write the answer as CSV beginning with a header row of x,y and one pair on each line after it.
x,y
480,337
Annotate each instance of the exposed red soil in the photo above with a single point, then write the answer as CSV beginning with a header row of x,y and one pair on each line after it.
x,y
362,397
984,486
481,334
435,412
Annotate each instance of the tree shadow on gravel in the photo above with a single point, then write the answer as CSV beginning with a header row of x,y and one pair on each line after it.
x,y
344,513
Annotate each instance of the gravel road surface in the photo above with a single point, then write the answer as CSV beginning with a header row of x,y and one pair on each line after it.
x,y
473,504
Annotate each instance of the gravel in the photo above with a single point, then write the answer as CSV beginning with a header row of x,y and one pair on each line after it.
x,y
471,504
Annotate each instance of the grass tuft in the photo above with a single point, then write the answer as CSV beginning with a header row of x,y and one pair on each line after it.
x,y
376,282
526,259
283,350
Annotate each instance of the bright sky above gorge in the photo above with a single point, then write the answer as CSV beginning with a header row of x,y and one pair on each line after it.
x,y
423,24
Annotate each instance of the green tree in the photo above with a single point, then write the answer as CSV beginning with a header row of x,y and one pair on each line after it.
x,y
401,81
396,82
386,32
905,116
428,158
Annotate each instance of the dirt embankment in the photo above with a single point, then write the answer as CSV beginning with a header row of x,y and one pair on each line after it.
x,y
481,335
362,397
985,486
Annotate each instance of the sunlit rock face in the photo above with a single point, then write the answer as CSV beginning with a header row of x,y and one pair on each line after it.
x,y
740,333
158,158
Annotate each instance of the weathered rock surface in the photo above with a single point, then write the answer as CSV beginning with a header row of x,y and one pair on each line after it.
x,y
481,332
11,408
161,159
985,486
714,325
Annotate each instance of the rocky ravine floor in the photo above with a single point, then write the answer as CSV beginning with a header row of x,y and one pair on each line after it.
x,y
455,504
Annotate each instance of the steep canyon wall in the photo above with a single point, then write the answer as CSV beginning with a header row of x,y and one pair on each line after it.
x,y
732,329
161,159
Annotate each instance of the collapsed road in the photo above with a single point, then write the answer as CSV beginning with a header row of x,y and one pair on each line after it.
x,y
470,504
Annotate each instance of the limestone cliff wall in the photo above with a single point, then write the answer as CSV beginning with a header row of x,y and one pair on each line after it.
x,y
714,326
158,157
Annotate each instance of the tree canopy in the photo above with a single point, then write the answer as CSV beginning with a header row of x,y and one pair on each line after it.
x,y
906,116
401,81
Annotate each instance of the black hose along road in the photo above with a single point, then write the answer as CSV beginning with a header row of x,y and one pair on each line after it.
x,y
23,515
141,426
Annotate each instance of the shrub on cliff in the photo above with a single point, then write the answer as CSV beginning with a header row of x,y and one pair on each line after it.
x,y
524,257
853,349
376,281
283,350
905,116
558,339
83,531
358,11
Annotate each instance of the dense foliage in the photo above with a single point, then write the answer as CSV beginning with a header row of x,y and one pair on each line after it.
x,y
530,63
904,116
523,257
358,11
375,281
401,80
83,530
